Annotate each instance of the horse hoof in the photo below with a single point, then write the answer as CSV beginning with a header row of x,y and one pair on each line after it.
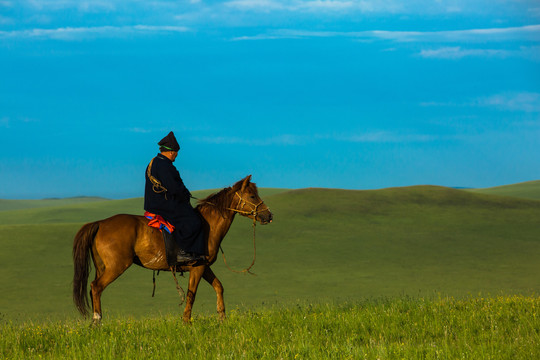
x,y
96,320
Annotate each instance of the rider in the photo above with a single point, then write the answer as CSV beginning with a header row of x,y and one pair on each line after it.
x,y
170,199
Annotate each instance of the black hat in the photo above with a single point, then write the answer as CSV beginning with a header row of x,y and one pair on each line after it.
x,y
169,143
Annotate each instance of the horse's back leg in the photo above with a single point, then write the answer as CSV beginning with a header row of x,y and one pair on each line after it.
x,y
105,274
212,279
195,275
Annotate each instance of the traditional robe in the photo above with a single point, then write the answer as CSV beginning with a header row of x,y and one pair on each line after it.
x,y
174,206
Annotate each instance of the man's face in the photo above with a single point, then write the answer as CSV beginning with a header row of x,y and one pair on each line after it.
x,y
174,154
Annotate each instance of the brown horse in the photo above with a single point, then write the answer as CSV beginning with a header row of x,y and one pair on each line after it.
x,y
119,241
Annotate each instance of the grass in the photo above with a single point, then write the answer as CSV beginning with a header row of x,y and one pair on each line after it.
x,y
10,205
526,190
324,246
404,328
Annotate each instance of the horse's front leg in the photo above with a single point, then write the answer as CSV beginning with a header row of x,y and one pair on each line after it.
x,y
211,278
195,275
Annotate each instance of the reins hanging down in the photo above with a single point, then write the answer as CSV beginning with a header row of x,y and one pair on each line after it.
x,y
254,213
242,202
246,270
181,292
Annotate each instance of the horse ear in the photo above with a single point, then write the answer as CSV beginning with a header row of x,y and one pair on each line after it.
x,y
245,182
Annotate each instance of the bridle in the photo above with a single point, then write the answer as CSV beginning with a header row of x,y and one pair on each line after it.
x,y
254,211
242,203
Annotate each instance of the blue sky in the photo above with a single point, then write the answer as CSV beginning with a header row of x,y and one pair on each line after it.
x,y
342,94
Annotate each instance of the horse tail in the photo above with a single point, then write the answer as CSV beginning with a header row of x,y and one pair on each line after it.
x,y
82,245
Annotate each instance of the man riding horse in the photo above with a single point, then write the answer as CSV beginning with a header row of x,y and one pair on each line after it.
x,y
166,195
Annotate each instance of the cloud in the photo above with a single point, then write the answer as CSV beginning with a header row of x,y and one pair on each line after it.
x,y
298,140
4,122
524,101
78,33
387,137
260,5
55,5
458,53
316,6
140,130
6,20
285,139
514,101
345,7
326,5
96,6
522,33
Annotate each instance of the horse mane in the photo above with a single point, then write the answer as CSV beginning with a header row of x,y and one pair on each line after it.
x,y
221,200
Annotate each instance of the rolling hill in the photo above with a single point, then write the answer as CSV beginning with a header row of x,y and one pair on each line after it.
x,y
8,205
324,245
526,190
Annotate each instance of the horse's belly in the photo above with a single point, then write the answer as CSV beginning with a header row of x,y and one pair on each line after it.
x,y
150,249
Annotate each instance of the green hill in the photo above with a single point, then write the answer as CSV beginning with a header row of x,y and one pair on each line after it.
x,y
324,245
526,190
81,210
6,204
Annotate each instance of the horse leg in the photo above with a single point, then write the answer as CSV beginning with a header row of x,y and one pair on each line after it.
x,y
195,275
212,279
107,276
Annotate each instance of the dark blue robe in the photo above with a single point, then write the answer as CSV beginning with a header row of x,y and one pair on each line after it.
x,y
174,205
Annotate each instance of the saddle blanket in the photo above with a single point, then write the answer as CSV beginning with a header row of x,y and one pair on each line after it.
x,y
158,222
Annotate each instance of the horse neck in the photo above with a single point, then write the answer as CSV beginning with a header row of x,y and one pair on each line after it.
x,y
219,224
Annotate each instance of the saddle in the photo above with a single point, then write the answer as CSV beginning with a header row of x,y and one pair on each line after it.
x,y
171,249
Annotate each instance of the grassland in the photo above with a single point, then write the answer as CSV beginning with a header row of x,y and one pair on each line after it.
x,y
402,328
325,246
525,190
10,205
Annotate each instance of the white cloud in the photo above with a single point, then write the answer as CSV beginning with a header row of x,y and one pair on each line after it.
x,y
524,101
96,6
288,139
7,122
261,5
387,137
320,6
49,4
458,53
511,101
523,33
140,130
6,20
77,33
4,122
326,5
285,139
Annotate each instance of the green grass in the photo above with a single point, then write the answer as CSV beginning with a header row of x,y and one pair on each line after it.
x,y
9,205
324,246
405,328
526,190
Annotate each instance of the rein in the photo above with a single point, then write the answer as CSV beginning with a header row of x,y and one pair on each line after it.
x,y
243,202
253,212
241,211
246,270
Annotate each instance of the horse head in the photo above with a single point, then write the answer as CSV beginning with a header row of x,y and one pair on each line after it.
x,y
248,203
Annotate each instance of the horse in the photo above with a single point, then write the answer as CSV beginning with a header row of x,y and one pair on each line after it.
x,y
117,242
